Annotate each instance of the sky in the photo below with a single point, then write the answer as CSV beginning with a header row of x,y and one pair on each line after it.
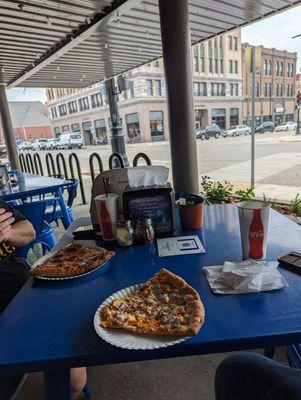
x,y
276,31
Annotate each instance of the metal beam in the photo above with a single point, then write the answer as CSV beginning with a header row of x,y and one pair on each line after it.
x,y
72,41
176,43
8,130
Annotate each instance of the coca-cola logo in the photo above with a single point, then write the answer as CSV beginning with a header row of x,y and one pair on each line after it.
x,y
256,234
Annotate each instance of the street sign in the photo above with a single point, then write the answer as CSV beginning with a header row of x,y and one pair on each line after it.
x,y
299,107
257,59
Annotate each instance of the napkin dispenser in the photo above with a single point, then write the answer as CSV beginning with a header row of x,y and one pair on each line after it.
x,y
157,203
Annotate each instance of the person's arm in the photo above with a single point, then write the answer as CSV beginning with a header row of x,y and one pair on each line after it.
x,y
20,234
17,234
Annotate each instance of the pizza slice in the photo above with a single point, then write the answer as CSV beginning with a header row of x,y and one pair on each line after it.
x,y
164,305
74,260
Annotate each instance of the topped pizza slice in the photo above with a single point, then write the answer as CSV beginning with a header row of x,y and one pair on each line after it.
x,y
164,305
73,260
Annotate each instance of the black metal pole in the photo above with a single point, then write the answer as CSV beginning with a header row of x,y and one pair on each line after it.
x,y
298,121
176,43
117,135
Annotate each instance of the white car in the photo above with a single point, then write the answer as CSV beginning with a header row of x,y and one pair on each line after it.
x,y
286,126
39,144
237,130
25,146
70,141
51,144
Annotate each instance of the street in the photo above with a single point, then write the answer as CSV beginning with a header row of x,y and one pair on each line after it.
x,y
278,159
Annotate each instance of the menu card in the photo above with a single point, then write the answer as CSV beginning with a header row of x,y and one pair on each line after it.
x,y
179,245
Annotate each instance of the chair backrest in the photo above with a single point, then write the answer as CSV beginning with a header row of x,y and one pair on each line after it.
x,y
34,212
72,191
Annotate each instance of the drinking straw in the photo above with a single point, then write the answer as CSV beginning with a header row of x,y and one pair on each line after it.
x,y
105,183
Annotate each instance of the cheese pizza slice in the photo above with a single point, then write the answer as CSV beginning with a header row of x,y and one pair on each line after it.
x,y
164,305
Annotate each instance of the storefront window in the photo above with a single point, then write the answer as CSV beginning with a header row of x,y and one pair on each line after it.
x,y
87,130
219,117
289,117
100,130
133,127
199,116
156,125
75,127
234,116
57,131
65,128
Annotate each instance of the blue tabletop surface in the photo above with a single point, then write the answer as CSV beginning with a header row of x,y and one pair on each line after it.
x,y
30,182
50,325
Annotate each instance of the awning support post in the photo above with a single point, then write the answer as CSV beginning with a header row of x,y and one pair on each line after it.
x,y
8,131
176,43
117,135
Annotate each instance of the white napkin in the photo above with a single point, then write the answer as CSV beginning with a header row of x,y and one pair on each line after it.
x,y
148,175
244,277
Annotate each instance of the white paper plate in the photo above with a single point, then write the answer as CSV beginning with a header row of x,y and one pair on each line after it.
x,y
53,253
128,340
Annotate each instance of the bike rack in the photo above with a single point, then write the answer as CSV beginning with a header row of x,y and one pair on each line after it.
x,y
49,157
113,157
29,163
145,158
79,173
100,167
38,164
60,158
22,163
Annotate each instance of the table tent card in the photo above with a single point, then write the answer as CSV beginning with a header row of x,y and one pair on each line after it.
x,y
180,245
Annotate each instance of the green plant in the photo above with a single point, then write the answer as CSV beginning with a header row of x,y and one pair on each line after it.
x,y
245,195
295,206
215,191
272,202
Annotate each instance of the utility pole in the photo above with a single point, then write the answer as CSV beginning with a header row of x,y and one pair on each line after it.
x,y
253,118
117,134
298,113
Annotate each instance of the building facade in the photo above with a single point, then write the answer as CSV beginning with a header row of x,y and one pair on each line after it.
x,y
30,120
217,86
275,87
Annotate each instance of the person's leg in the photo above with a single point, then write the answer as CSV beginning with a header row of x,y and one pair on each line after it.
x,y
34,385
12,277
249,376
78,379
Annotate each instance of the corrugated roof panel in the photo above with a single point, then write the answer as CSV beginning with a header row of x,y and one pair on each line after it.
x,y
116,40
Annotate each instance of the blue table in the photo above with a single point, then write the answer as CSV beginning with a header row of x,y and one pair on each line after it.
x,y
49,326
35,185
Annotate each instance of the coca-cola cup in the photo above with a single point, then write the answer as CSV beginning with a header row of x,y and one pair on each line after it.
x,y
106,206
254,221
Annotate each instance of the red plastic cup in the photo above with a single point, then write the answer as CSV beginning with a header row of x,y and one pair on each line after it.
x,y
191,216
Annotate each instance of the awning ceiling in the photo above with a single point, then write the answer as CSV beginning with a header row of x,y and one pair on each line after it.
x,y
48,43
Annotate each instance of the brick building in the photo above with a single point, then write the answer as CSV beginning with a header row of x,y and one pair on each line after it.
x,y
217,85
275,87
30,120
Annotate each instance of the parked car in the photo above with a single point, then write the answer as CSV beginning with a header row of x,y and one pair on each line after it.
x,y
286,126
208,131
3,151
51,144
39,144
237,130
70,141
19,143
25,146
267,126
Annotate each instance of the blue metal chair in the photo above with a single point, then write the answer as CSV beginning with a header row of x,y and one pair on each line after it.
x,y
71,188
293,353
35,212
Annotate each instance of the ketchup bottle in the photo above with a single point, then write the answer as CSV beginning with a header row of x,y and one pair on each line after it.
x,y
106,222
256,235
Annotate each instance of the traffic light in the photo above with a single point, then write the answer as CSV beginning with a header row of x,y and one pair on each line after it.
x,y
299,98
